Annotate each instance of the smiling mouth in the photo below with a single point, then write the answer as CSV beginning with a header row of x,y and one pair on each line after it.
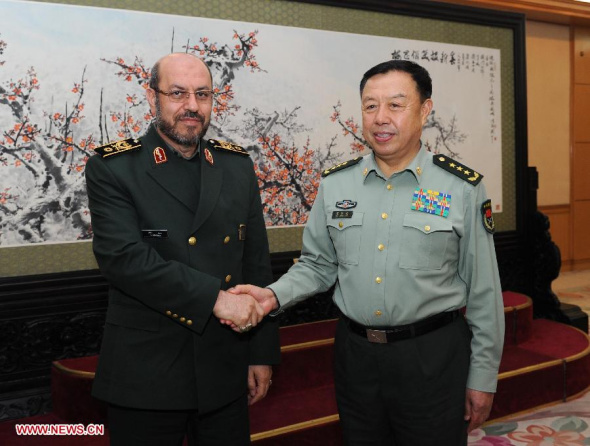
x,y
383,136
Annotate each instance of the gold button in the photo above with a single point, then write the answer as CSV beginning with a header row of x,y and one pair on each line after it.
x,y
427,228
192,241
378,313
168,313
365,172
378,280
175,316
226,239
384,216
189,322
419,170
389,187
340,224
380,247
228,278
182,319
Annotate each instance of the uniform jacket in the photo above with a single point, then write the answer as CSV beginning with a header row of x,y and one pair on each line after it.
x,y
166,259
403,248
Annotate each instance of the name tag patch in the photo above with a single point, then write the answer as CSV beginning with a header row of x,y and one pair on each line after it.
x,y
341,214
242,232
431,202
154,233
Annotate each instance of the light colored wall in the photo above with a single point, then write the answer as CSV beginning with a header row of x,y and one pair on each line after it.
x,y
548,92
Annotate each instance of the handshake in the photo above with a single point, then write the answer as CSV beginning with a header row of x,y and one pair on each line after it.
x,y
244,306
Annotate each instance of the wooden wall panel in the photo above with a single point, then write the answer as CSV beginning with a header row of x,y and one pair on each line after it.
x,y
581,217
581,116
581,55
581,171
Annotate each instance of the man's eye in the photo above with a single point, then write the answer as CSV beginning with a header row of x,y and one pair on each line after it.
x,y
177,94
369,107
203,94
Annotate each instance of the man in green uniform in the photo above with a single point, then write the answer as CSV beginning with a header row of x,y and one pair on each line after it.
x,y
177,220
406,237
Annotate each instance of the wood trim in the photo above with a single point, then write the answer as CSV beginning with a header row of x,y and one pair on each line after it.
x,y
555,209
575,265
566,12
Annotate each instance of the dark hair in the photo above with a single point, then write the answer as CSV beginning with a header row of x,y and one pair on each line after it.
x,y
418,73
155,74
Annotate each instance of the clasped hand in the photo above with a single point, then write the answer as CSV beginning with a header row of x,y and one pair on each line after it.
x,y
244,306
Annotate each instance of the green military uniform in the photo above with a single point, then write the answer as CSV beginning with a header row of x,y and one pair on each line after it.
x,y
169,234
404,248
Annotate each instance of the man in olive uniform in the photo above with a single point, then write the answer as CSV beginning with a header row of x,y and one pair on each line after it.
x,y
177,220
406,237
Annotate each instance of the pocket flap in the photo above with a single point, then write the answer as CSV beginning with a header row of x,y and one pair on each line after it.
x,y
356,219
427,224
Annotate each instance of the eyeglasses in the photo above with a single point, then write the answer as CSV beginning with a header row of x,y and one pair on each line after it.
x,y
182,95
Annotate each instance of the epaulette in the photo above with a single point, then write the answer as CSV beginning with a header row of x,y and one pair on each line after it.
x,y
118,147
231,147
341,166
458,169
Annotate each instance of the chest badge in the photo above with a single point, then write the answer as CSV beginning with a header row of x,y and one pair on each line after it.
x,y
346,204
208,156
160,155
431,202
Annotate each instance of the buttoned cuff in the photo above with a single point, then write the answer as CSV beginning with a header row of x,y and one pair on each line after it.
x,y
482,380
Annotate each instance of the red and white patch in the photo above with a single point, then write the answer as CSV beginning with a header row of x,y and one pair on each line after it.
x,y
208,156
160,155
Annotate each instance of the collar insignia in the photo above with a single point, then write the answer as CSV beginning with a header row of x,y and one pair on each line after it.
x,y
160,155
208,156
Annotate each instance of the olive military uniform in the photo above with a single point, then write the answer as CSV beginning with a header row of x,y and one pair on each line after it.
x,y
169,234
417,246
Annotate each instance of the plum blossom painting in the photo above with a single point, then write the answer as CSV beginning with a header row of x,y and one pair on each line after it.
x,y
73,78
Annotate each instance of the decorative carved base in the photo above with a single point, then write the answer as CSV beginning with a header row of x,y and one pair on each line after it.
x,y
546,265
26,404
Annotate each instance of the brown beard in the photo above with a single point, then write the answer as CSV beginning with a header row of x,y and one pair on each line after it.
x,y
167,129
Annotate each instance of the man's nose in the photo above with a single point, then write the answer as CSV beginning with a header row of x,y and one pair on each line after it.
x,y
191,103
381,116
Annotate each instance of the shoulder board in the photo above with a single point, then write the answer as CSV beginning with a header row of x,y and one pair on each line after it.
x,y
118,147
341,166
458,169
231,147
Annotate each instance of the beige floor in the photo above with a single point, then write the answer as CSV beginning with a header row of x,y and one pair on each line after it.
x,y
571,279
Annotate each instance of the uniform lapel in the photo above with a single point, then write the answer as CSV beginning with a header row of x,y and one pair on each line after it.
x,y
211,180
168,174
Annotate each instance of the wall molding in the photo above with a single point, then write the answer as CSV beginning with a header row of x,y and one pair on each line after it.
x,y
565,12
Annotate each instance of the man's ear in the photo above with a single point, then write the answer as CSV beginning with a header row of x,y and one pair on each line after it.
x,y
426,109
150,95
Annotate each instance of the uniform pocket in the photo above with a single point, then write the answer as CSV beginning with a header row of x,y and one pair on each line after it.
x,y
424,241
346,236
